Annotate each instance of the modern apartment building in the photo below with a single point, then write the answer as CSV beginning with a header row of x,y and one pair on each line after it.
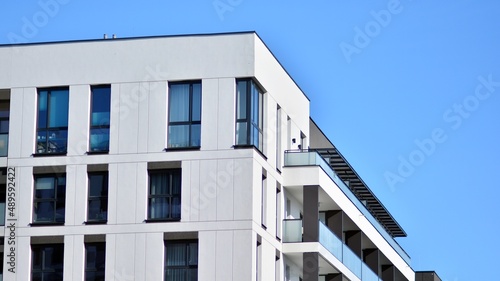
x,y
177,158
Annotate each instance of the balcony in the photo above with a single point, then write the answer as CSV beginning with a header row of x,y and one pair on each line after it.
x,y
292,233
313,158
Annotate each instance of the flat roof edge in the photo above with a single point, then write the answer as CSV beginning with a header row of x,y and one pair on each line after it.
x,y
125,38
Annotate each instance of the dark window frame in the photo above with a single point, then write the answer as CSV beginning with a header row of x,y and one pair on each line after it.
x,y
2,130
169,195
248,119
190,122
100,248
186,265
35,248
105,182
49,129
54,199
100,126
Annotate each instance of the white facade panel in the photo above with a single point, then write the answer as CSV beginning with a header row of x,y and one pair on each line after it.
x,y
242,254
139,257
208,190
209,114
143,96
157,116
224,255
271,74
29,111
16,122
78,120
243,189
195,196
126,207
154,258
115,61
225,188
128,126
207,252
226,114
24,196
71,186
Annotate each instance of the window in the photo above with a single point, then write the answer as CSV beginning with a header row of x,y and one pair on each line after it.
x,y
50,193
4,127
278,210
98,197
99,118
164,194
249,114
52,126
258,259
95,260
181,260
184,122
278,138
277,263
263,202
302,145
47,262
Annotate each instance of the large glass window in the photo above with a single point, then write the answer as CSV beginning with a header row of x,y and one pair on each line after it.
x,y
98,197
52,126
164,195
249,114
49,199
184,122
181,260
95,261
4,127
47,262
99,118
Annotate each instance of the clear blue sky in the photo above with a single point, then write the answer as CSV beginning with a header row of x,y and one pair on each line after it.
x,y
407,90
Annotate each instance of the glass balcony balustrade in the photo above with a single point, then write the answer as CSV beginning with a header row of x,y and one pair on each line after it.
x,y
313,158
293,234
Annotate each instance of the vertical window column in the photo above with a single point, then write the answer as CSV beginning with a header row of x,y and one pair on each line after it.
x,y
100,118
52,125
263,209
279,152
278,210
184,115
249,114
